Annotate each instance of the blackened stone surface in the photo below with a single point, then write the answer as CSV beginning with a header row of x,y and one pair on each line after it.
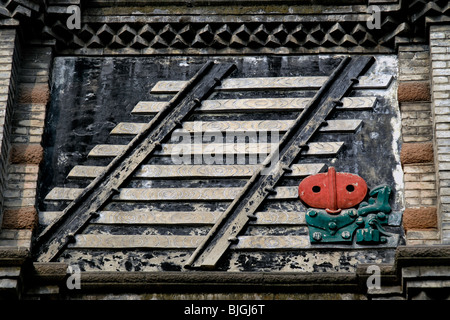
x,y
91,95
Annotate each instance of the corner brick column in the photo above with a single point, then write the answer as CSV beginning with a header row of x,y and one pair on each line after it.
x,y
24,94
12,254
26,135
420,215
440,73
8,79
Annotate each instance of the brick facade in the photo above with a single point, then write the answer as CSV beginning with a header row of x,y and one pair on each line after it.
x,y
26,135
417,156
440,73
8,79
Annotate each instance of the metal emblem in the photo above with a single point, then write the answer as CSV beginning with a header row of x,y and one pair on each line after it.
x,y
335,191
332,191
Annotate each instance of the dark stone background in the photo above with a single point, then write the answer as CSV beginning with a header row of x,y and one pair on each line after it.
x,y
90,96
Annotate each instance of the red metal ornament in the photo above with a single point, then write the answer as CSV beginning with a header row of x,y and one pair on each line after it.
x,y
332,191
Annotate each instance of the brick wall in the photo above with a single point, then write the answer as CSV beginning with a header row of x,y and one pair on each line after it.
x,y
26,134
440,57
9,59
417,156
8,77
24,93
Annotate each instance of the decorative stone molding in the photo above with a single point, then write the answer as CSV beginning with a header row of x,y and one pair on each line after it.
x,y
18,9
225,31
419,272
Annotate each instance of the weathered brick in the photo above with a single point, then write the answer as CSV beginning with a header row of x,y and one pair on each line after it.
x,y
412,193
441,72
409,115
413,48
418,168
413,91
11,193
24,202
413,77
34,139
442,142
442,134
440,80
444,175
5,67
424,55
412,201
438,50
416,122
409,130
415,138
420,185
441,87
444,157
443,126
415,106
439,64
411,177
428,201
441,103
30,123
428,177
24,168
442,118
420,218
23,177
428,193
416,153
23,218
415,70
444,166
437,35
36,131
31,153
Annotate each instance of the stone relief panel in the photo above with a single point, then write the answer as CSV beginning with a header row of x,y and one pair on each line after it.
x,y
167,207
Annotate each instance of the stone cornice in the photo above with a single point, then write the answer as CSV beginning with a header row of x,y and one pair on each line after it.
x,y
17,10
222,27
394,278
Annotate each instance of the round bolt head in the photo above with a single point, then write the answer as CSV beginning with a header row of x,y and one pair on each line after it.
x,y
345,234
317,236
312,213
381,215
70,238
360,221
332,225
